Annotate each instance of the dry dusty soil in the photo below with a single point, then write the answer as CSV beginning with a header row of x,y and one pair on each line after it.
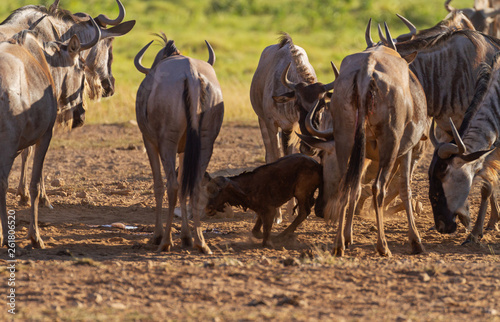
x,y
99,175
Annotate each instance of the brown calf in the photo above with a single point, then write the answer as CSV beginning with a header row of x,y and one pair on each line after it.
x,y
268,187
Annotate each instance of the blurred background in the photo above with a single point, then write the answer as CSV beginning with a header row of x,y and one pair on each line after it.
x,y
239,30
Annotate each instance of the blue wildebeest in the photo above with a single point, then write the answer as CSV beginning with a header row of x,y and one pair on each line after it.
x,y
61,25
179,110
37,80
481,18
378,111
473,154
283,90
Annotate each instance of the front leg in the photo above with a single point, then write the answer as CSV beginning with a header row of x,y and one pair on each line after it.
x,y
256,228
477,232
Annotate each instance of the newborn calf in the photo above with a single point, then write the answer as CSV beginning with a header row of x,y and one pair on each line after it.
x,y
267,188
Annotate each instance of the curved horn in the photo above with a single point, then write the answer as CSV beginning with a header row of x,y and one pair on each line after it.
x,y
329,86
458,139
284,78
105,20
413,29
447,6
310,127
138,60
33,25
211,54
368,35
381,35
94,41
432,135
490,12
389,38
447,150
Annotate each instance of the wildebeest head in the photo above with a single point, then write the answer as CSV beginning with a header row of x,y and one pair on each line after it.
x,y
222,191
309,100
481,18
450,178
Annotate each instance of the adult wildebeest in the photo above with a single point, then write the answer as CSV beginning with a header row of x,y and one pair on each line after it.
x,y
61,25
179,110
455,165
37,80
268,187
378,111
482,18
283,90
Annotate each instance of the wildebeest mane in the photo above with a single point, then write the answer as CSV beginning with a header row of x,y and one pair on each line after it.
x,y
302,70
58,13
169,46
481,88
421,43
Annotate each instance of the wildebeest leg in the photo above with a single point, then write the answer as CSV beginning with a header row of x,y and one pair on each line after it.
x,y
186,237
168,160
40,151
267,223
348,232
477,232
22,189
492,223
154,161
339,243
304,206
405,193
44,200
256,228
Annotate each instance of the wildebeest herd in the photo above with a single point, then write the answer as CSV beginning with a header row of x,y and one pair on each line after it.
x,y
387,102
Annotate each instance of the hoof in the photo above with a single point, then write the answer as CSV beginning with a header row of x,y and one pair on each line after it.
x,y
338,252
187,242
155,240
204,249
417,248
257,234
472,239
24,201
164,247
37,243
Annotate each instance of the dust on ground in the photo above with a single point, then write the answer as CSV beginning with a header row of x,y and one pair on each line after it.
x,y
93,272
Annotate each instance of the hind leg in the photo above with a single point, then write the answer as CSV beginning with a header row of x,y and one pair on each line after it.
x,y
22,189
168,161
154,162
493,222
186,237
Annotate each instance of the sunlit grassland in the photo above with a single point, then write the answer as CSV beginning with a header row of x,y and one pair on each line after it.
x,y
239,30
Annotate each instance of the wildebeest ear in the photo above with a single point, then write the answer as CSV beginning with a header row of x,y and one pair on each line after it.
x,y
474,156
74,46
411,57
317,143
287,97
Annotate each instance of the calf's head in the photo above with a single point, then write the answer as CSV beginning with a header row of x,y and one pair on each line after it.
x,y
221,191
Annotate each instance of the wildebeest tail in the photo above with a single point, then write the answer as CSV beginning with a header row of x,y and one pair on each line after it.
x,y
192,150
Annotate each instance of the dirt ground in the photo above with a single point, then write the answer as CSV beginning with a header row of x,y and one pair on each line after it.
x,y
99,175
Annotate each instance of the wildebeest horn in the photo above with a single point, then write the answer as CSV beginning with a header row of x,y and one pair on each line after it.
x,y
33,25
138,60
458,139
284,78
447,6
389,38
381,35
104,20
310,127
211,54
432,135
96,38
448,149
368,34
329,86
413,29
490,12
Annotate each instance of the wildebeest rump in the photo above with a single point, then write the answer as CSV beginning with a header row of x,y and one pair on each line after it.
x,y
268,187
179,110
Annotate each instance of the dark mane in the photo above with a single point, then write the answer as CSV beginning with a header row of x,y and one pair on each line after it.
x,y
62,14
302,70
421,43
481,88
169,46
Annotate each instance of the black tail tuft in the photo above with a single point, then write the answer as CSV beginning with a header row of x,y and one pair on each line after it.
x,y
192,150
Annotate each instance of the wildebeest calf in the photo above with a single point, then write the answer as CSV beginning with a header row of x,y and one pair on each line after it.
x,y
268,187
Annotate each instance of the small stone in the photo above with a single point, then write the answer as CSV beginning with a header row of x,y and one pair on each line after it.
x,y
290,261
98,298
209,264
118,305
81,194
58,182
491,311
115,240
458,280
122,185
265,261
424,277
373,228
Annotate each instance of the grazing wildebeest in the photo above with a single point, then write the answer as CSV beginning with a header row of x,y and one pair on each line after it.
x,y
268,187
473,154
37,80
179,110
378,111
61,25
481,18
